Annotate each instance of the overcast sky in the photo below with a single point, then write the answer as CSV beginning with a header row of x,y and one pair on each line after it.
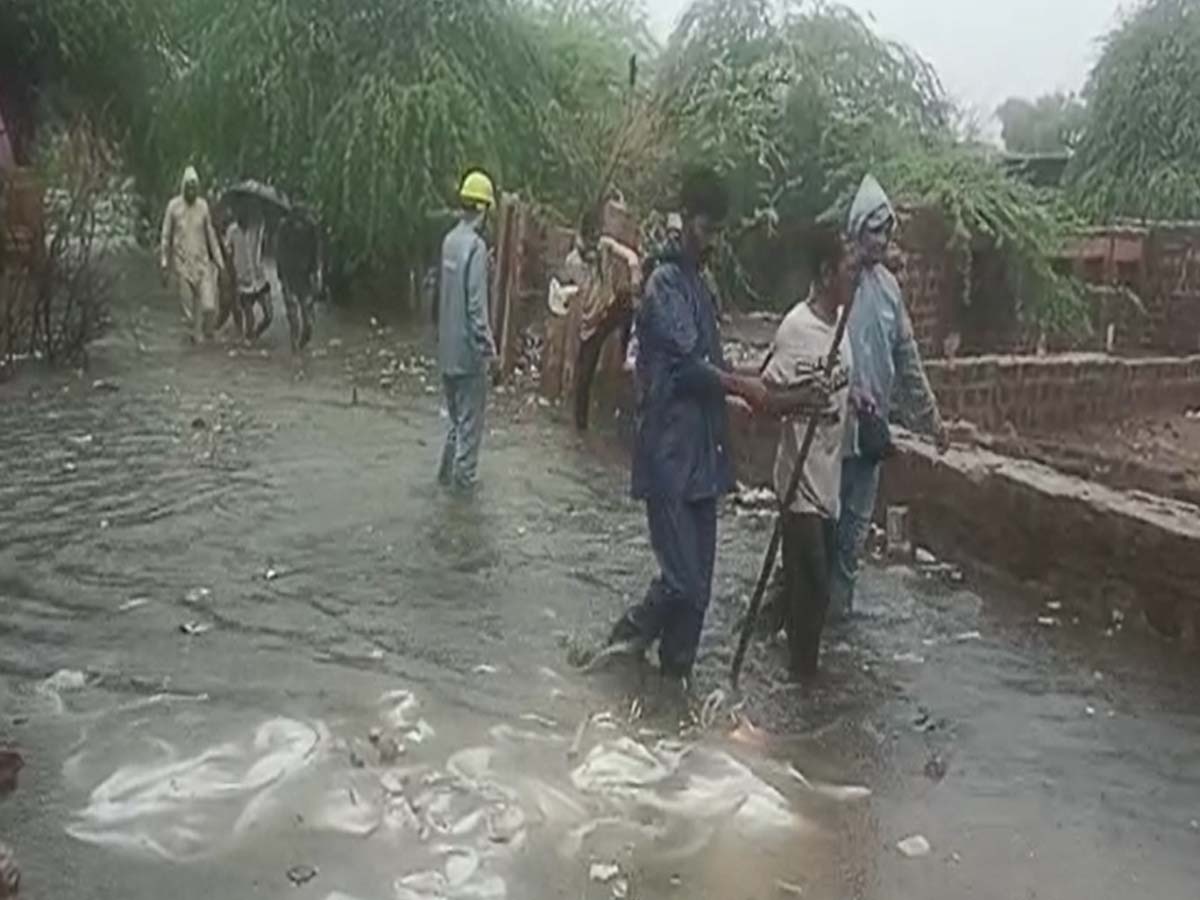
x,y
985,51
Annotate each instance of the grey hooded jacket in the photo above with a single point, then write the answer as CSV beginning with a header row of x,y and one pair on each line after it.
x,y
887,363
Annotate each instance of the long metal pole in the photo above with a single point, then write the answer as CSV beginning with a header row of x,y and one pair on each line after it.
x,y
810,435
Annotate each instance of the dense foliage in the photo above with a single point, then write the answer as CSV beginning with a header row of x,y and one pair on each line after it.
x,y
370,111
1140,152
1052,123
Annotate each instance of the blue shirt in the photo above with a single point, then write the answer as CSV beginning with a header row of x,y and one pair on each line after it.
x,y
681,451
464,335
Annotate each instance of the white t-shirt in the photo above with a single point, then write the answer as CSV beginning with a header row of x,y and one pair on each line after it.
x,y
799,352
246,246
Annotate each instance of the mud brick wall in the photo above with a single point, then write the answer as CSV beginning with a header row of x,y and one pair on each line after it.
x,y
1109,549
1035,393
1173,288
929,276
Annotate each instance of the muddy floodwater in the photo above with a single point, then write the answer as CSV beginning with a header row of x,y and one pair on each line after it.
x,y
247,649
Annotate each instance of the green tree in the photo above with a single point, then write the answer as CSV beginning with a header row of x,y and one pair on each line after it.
x,y
1139,155
1052,123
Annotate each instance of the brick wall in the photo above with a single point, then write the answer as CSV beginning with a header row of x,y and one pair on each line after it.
x,y
929,276
1061,391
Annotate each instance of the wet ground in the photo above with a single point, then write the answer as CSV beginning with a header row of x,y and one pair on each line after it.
x,y
247,649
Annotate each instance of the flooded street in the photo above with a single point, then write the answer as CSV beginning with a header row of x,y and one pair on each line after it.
x,y
248,648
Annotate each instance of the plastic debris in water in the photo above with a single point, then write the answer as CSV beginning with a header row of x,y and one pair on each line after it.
x,y
64,680
10,873
135,603
299,875
197,595
271,574
842,793
195,629
914,847
484,669
603,873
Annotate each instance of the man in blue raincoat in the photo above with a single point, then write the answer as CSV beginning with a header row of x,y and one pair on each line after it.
x,y
887,365
681,461
466,349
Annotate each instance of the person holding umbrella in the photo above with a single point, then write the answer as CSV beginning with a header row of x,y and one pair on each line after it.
x,y
244,241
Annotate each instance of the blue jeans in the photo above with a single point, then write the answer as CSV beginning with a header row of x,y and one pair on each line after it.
x,y
684,537
466,402
860,485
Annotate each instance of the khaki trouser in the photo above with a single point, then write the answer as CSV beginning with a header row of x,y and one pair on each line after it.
x,y
197,295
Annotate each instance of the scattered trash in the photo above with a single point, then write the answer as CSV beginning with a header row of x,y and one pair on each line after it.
x,y
936,768
1194,824
898,542
1090,710
299,875
603,873
104,523
914,658
82,440
271,574
65,680
676,881
914,847
485,669
537,719
70,467
195,629
1049,621
577,743
135,603
924,557
103,384
505,824
786,887
199,423
839,792
10,873
620,889
11,764
968,636
1054,606
197,595
1193,414
390,750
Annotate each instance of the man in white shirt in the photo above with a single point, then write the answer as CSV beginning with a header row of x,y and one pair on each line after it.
x,y
798,361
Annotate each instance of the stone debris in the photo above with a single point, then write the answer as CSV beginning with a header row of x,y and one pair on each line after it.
x,y
10,873
603,873
300,875
914,847
64,680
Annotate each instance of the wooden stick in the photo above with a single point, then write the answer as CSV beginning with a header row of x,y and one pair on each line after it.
x,y
810,435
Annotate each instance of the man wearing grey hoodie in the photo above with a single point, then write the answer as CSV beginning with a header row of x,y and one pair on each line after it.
x,y
887,364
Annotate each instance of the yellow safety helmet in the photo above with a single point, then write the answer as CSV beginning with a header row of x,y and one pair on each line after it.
x,y
478,188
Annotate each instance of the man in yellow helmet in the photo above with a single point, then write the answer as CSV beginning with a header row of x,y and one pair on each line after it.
x,y
466,348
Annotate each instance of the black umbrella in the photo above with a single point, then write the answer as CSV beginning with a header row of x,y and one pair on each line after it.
x,y
268,198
